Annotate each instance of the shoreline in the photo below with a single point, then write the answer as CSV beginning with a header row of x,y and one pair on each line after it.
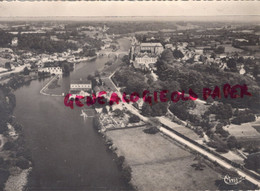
x,y
18,172
120,161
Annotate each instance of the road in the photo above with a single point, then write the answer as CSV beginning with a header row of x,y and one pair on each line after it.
x,y
16,70
169,123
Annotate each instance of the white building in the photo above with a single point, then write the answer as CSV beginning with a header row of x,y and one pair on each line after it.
x,y
146,59
155,48
51,70
14,41
170,46
80,87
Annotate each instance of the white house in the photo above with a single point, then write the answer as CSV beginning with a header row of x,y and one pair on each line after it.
x,y
80,87
146,59
51,70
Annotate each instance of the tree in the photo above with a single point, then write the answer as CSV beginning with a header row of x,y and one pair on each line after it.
x,y
232,142
125,59
127,174
177,54
243,117
256,70
151,130
213,55
23,163
199,165
222,148
134,119
253,161
231,63
26,71
220,50
97,74
8,65
240,60
66,68
167,56
251,148
104,110
222,111
90,77
118,113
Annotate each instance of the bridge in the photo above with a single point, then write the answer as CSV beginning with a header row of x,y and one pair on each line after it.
x,y
111,53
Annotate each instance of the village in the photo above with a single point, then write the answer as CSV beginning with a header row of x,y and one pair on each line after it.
x,y
139,80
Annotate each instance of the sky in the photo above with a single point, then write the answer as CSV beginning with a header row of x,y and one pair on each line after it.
x,y
128,8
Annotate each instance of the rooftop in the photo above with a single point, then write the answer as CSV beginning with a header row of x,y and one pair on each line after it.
x,y
151,44
80,81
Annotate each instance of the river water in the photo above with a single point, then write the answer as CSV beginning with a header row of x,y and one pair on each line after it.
x,y
67,152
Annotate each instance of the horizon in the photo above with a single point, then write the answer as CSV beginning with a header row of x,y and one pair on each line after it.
x,y
209,18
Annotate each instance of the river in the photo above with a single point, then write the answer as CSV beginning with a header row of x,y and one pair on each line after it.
x,y
67,152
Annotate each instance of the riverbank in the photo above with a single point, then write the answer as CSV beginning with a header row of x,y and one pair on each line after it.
x,y
120,161
152,160
15,158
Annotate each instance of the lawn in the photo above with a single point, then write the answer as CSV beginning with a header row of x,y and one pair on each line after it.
x,y
230,49
243,131
158,163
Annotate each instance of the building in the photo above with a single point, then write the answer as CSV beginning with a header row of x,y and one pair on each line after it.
x,y
145,55
170,46
80,87
151,47
51,70
14,41
146,59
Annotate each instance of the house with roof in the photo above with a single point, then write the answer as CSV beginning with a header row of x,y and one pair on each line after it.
x,y
51,70
144,55
80,87
151,47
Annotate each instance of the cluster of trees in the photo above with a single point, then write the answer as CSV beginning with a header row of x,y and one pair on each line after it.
x,y
222,111
197,77
126,170
123,27
167,57
177,54
243,116
224,145
43,44
19,155
7,104
151,130
134,119
155,109
93,43
5,38
132,81
253,162
181,109
88,52
221,131
26,71
219,50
